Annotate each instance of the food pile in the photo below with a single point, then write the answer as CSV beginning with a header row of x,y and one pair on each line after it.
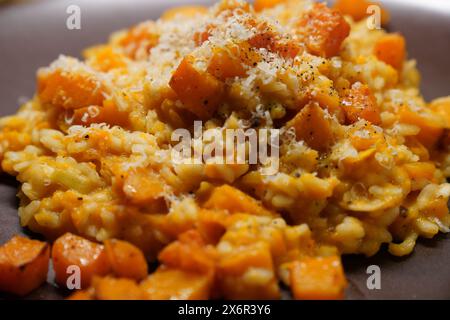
x,y
363,159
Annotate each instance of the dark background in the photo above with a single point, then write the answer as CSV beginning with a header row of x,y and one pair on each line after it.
x,y
34,33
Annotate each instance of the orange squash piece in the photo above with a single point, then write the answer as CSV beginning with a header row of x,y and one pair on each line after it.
x,y
417,148
312,126
430,131
260,5
211,224
142,187
391,49
288,49
420,170
268,39
359,103
108,113
247,53
233,200
177,284
421,174
189,253
104,58
240,260
437,207
203,35
234,6
90,257
109,288
248,273
316,278
323,30
367,141
200,92
442,107
138,40
69,90
127,260
23,265
82,295
223,65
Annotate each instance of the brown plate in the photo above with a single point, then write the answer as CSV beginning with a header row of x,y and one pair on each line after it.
x,y
34,33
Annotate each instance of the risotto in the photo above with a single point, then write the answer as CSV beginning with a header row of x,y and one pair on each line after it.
x,y
363,159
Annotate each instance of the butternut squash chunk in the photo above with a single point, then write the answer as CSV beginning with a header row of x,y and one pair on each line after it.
x,y
71,250
271,41
223,65
108,113
104,58
82,295
391,49
234,6
23,265
312,126
234,201
211,225
177,284
431,129
437,207
142,187
189,253
323,30
367,140
442,107
318,279
109,288
203,35
68,89
359,103
421,174
200,92
418,170
127,260
247,53
138,40
417,148
248,273
260,5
